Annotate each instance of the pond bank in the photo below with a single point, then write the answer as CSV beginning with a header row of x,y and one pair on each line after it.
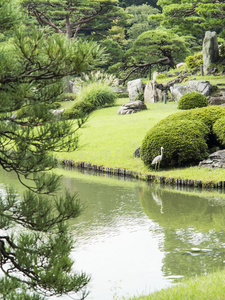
x,y
146,177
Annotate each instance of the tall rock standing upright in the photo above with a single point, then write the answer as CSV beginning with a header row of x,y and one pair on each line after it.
x,y
210,49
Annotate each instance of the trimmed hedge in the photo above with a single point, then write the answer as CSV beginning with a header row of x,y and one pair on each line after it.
x,y
192,100
186,136
183,141
219,130
90,98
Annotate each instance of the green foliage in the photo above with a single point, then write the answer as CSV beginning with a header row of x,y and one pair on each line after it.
x,y
33,65
68,97
139,21
123,95
76,18
192,17
140,96
219,130
182,145
91,97
192,100
183,142
194,61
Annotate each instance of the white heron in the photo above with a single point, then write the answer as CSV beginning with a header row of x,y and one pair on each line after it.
x,y
156,161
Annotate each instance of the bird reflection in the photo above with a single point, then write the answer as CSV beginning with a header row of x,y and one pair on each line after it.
x,y
158,201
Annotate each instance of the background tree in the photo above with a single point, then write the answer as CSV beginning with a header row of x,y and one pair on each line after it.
x,y
126,3
155,47
192,16
139,20
35,241
76,17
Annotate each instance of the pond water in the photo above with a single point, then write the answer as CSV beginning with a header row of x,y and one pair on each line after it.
x,y
134,238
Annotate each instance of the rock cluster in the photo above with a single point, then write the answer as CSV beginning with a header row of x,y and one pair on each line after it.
x,y
131,107
200,86
215,160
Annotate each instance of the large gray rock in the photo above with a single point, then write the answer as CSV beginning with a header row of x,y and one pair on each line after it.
x,y
152,93
131,107
200,86
134,87
217,100
210,49
215,160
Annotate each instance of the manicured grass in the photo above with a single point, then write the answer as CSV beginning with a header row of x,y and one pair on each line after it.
x,y
209,287
110,140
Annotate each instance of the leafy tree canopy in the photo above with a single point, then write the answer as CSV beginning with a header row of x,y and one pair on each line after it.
x,y
139,22
35,242
155,47
192,16
126,3
76,16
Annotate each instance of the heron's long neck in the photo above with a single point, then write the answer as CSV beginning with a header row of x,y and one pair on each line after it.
x,y
161,152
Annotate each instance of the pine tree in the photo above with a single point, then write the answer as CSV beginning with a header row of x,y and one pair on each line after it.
x,y
35,240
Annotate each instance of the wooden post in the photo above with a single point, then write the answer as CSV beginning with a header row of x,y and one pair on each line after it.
x,y
165,97
202,71
150,72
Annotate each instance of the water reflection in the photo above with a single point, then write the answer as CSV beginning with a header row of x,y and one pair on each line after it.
x,y
194,240
134,237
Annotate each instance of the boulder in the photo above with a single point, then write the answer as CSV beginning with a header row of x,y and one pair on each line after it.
x,y
215,160
152,93
200,86
210,49
134,87
217,100
131,107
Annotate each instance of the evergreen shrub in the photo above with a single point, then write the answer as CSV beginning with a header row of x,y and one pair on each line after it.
x,y
186,136
194,61
140,96
192,100
90,98
183,142
219,130
123,95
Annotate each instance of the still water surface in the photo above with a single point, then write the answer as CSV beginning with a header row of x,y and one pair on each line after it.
x,y
135,238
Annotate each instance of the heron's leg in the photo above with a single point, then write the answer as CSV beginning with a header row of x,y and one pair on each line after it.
x,y
155,167
159,165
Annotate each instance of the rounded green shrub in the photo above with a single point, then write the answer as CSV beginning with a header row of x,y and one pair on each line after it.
x,y
208,115
194,61
186,136
90,98
219,130
184,143
192,100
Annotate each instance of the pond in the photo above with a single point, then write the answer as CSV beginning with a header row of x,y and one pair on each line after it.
x,y
134,238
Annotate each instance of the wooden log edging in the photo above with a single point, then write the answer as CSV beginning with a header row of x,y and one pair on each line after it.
x,y
146,177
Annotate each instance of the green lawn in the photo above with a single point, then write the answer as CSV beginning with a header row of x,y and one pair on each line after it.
x,y
209,287
110,140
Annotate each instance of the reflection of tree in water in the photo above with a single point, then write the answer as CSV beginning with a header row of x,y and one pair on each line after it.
x,y
193,227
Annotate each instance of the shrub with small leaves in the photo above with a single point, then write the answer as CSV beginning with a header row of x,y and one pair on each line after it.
x,y
140,96
90,98
187,136
219,130
192,100
194,61
183,141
